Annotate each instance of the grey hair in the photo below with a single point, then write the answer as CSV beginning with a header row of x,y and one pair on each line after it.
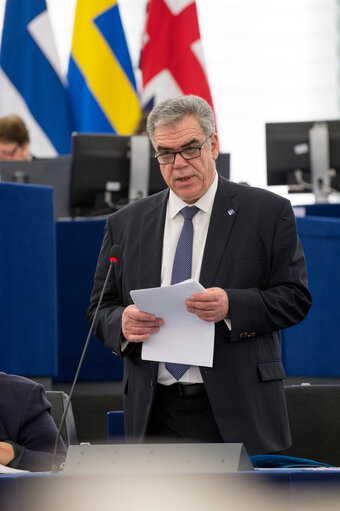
x,y
173,110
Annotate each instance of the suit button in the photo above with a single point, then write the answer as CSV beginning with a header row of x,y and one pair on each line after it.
x,y
241,335
253,334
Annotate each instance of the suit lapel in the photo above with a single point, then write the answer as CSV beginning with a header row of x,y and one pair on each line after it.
x,y
221,223
150,259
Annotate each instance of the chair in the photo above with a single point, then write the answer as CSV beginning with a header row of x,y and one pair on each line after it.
x,y
58,400
280,461
314,417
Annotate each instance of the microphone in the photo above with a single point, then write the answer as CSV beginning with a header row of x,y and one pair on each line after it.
x,y
115,253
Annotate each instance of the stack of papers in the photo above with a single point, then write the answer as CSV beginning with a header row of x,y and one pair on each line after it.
x,y
184,338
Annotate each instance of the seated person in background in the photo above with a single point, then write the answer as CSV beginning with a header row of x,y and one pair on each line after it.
x,y
27,430
14,139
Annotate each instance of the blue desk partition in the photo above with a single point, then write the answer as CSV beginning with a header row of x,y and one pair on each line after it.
x,y
312,348
78,246
28,310
328,210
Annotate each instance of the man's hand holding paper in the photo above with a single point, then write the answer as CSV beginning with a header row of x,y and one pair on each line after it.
x,y
137,326
212,305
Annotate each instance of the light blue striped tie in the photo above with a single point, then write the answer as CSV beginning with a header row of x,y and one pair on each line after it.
x,y
181,270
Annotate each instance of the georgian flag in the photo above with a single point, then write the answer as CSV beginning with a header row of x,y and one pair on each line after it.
x,y
172,61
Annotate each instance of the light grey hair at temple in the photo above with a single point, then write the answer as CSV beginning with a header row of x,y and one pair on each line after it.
x,y
173,110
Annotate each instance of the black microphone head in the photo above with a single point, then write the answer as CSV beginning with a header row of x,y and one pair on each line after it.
x,y
115,253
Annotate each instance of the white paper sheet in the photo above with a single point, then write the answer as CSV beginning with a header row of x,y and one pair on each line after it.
x,y
184,338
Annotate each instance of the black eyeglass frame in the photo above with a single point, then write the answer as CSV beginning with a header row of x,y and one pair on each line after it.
x,y
174,153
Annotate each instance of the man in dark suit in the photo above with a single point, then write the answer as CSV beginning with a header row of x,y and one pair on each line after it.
x,y
27,430
247,255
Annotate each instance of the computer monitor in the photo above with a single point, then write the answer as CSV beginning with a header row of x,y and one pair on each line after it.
x,y
223,165
108,171
43,171
99,163
305,156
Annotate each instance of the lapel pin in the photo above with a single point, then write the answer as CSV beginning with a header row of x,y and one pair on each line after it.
x,y
230,212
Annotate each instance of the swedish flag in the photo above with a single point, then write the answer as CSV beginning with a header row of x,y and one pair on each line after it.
x,y
102,85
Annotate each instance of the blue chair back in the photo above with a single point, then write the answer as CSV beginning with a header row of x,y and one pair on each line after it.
x,y
115,427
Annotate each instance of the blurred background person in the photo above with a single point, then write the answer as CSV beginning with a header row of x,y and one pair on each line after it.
x,y
14,139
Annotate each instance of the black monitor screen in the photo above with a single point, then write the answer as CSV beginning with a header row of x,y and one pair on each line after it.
x,y
288,151
99,162
223,165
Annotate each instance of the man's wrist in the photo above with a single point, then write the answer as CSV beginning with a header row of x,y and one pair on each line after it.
x,y
11,453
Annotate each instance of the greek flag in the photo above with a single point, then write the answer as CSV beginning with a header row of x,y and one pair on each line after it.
x,y
102,85
31,83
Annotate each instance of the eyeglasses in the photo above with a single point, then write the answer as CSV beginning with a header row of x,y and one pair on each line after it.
x,y
187,154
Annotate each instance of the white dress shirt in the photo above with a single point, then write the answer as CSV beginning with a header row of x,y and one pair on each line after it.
x,y
173,225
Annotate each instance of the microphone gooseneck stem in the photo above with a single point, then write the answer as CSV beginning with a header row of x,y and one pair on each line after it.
x,y
62,421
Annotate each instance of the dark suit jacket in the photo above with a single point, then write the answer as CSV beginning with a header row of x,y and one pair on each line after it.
x,y
25,419
253,252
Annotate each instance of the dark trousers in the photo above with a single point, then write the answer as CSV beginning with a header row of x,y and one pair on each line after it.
x,y
182,414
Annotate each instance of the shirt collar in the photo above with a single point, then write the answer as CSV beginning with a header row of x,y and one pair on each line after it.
x,y
205,203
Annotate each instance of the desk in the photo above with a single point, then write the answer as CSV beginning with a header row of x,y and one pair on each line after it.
x,y
28,298
78,246
311,348
282,490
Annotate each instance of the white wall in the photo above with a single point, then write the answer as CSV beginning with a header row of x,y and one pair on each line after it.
x,y
266,61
